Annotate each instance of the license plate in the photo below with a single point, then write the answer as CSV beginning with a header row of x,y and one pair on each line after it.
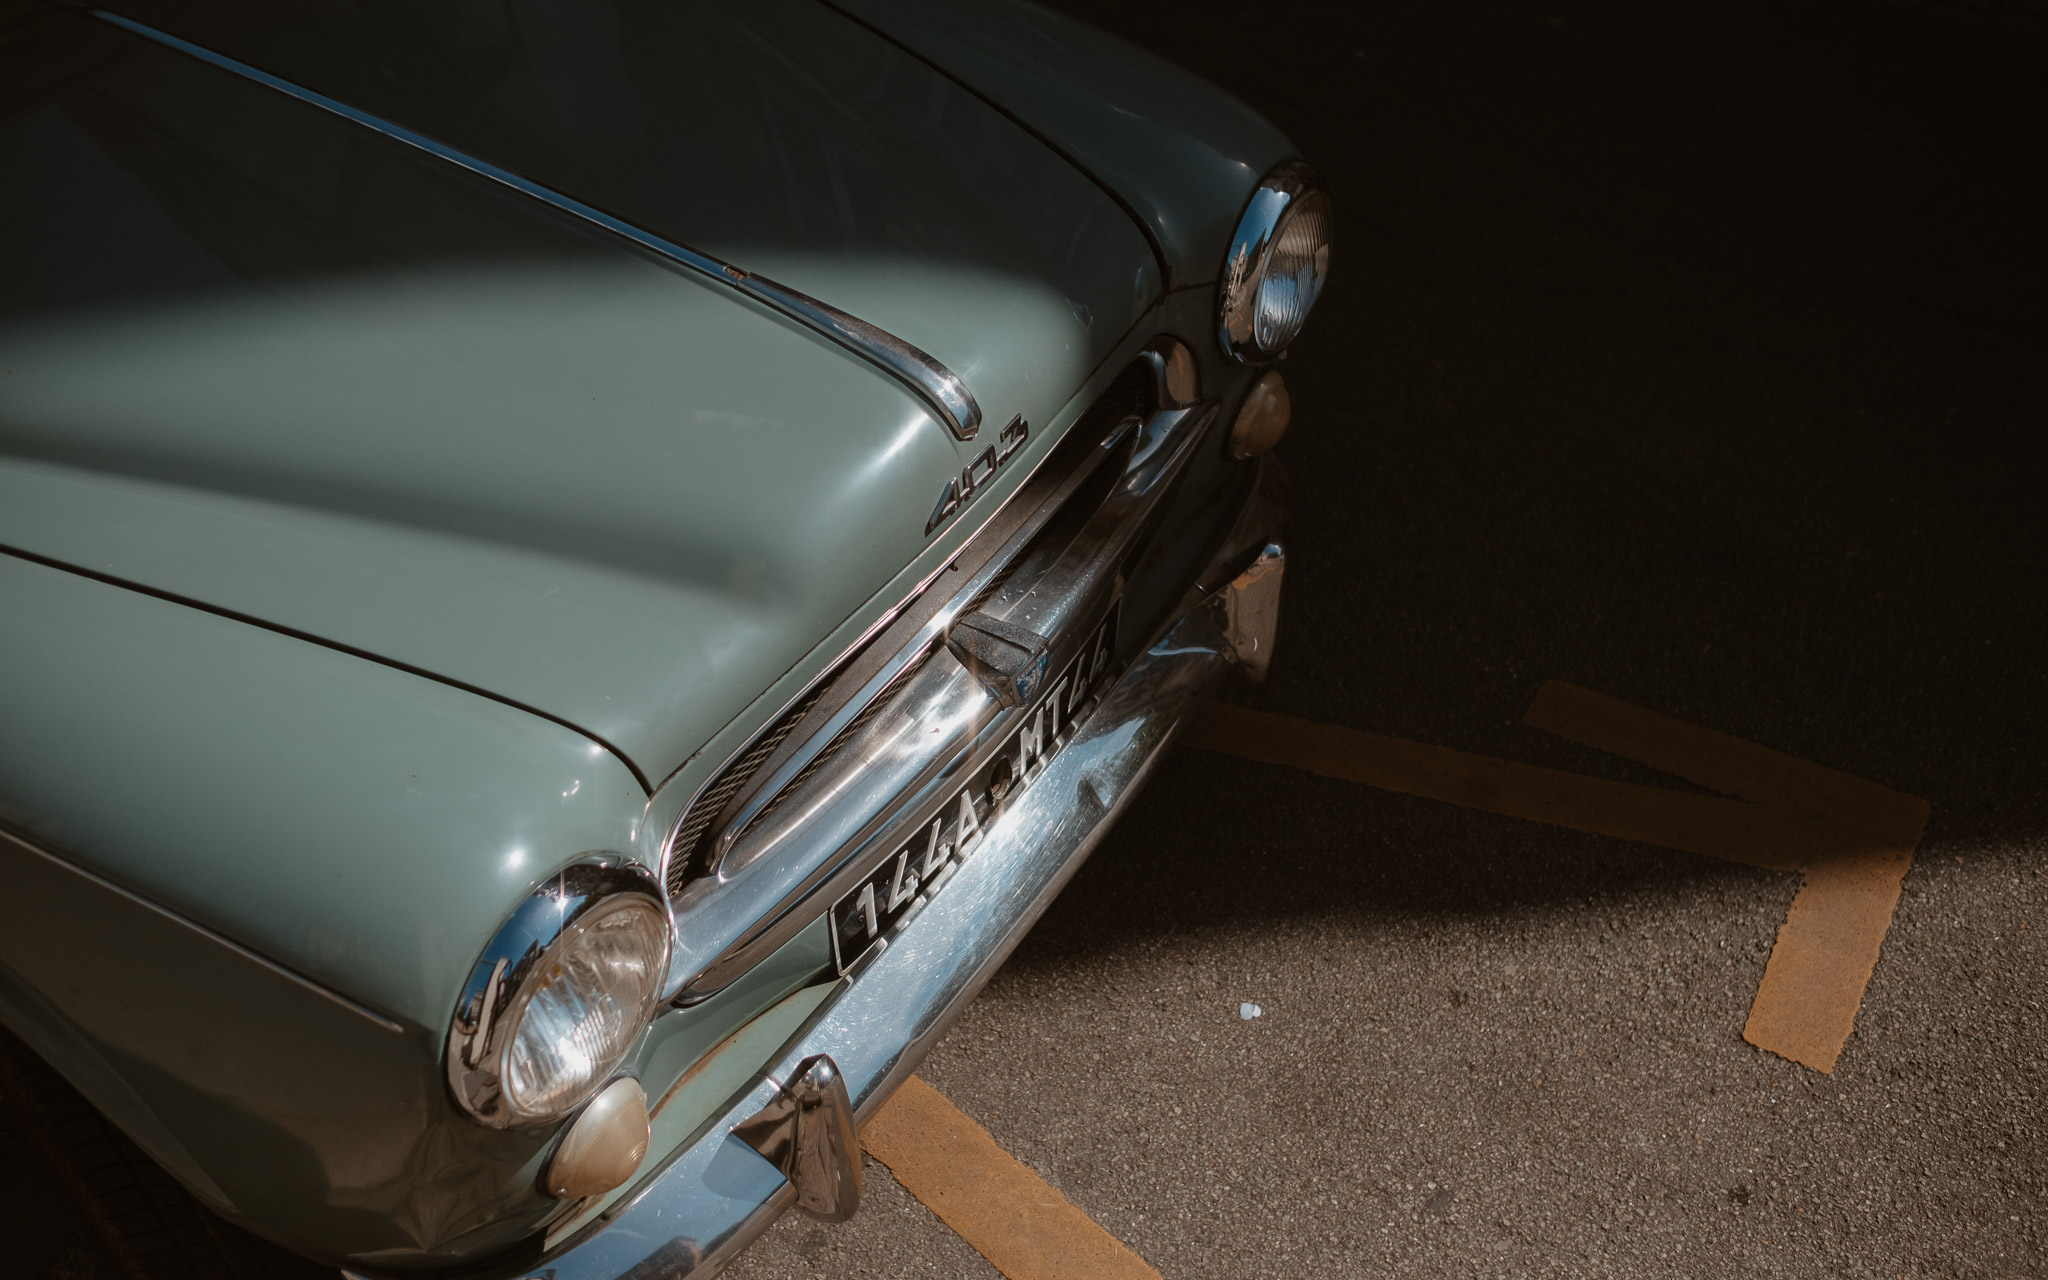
x,y
863,920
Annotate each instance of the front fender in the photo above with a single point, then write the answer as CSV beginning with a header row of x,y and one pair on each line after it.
x,y
247,874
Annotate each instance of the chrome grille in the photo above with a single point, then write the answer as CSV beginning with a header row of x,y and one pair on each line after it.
x,y
682,847
1129,395
853,727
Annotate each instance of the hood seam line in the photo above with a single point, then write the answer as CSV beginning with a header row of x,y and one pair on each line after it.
x,y
233,615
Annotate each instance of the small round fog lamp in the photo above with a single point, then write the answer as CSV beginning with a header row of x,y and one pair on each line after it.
x,y
604,1146
1262,418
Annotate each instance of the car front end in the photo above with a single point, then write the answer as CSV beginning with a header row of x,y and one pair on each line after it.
x,y
539,848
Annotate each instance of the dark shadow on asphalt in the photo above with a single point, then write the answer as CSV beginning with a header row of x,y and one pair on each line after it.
x,y
1694,356
1215,842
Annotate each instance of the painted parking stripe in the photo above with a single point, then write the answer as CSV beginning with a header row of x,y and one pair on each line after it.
x,y
1726,763
1827,948
1710,825
1015,1219
1853,839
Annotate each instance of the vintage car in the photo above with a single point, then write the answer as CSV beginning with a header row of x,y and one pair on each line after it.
x,y
575,577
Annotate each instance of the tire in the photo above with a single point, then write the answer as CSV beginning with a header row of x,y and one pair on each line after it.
x,y
151,1227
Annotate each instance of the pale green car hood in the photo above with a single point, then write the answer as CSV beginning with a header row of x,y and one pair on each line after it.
x,y
577,479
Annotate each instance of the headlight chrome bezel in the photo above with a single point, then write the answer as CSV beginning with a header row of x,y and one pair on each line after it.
x,y
502,981
1289,190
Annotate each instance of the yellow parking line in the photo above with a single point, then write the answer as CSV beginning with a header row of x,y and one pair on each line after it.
x,y
1827,948
1726,763
1709,825
1854,839
1016,1220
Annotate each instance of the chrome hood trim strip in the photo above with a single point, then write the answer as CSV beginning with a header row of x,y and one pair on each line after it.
x,y
932,382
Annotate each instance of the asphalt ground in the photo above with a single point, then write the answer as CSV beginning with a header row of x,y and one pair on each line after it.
x,y
1690,354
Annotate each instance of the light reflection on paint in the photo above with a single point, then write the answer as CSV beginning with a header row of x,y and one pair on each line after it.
x,y
906,435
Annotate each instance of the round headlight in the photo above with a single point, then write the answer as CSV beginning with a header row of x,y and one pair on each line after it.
x,y
1278,260
559,996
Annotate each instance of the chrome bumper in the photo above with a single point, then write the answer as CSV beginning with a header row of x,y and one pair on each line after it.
x,y
718,1194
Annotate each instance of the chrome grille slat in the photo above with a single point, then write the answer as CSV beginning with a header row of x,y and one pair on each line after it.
x,y
866,716
689,834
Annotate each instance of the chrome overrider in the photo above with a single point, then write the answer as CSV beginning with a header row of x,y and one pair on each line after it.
x,y
718,1192
807,1132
